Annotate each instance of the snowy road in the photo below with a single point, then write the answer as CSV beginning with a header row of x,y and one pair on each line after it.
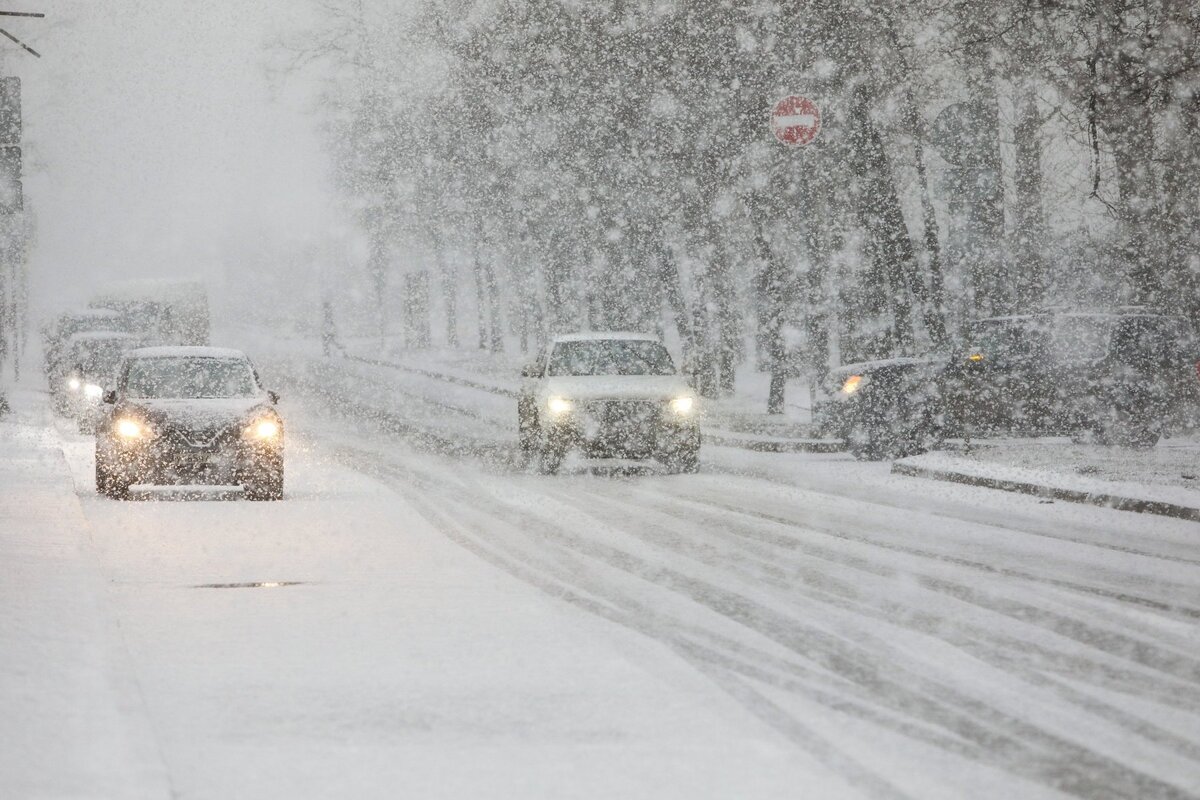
x,y
777,626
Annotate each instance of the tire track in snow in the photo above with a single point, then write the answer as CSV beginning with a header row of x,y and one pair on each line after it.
x,y
1021,747
848,598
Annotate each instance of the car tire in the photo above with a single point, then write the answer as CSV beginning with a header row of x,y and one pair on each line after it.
x,y
527,435
110,485
865,444
266,484
685,461
550,457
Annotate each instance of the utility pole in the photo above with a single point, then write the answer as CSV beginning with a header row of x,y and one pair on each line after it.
x,y
13,284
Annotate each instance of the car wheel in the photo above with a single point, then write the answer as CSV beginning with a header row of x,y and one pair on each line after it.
x,y
527,435
550,458
686,460
110,485
266,484
864,443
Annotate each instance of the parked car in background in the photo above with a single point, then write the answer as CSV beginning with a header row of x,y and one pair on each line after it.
x,y
90,366
1125,377
607,395
190,415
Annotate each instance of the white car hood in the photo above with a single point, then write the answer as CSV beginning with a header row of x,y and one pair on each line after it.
x,y
617,387
196,414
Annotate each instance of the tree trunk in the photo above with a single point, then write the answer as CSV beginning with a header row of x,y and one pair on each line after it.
x,y
481,297
772,284
1133,152
878,206
496,342
728,340
671,287
1031,278
377,270
448,279
1182,217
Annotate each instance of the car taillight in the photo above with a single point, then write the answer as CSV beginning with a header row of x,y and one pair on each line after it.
x,y
1198,370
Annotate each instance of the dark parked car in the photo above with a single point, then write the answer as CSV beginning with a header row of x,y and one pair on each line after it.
x,y
190,415
1126,378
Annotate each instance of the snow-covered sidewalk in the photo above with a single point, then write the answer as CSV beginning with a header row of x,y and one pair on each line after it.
x,y
72,722
1164,480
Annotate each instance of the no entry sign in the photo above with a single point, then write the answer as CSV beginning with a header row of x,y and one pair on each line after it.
x,y
795,120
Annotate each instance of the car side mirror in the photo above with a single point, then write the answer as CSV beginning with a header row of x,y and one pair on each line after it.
x,y
273,396
110,396
532,370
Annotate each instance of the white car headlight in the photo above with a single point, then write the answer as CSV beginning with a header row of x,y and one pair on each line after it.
x,y
93,392
73,384
683,405
559,405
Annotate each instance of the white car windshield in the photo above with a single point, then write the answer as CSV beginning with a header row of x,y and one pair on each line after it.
x,y
183,377
610,357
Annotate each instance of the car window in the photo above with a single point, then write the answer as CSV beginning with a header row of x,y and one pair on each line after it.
x,y
100,358
610,357
998,340
182,377
1145,340
1075,339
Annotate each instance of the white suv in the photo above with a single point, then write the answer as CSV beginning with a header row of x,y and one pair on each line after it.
x,y
608,395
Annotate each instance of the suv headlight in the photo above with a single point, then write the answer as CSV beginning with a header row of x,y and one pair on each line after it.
x,y
264,430
853,383
683,405
92,392
73,384
130,429
559,405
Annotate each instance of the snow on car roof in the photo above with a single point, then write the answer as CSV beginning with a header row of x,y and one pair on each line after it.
x,y
594,336
186,352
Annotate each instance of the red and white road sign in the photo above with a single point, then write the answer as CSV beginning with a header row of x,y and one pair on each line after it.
x,y
795,120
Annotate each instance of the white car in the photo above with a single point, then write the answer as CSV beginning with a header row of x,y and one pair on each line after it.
x,y
607,395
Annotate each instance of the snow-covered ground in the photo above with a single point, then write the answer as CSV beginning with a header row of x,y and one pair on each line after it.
x,y
780,625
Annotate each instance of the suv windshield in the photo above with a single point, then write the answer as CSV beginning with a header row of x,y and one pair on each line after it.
x,y
610,357
181,377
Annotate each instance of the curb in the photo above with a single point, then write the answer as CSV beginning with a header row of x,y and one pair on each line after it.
x,y
773,445
1105,500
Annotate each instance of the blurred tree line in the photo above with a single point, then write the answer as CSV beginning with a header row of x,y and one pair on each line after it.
x,y
533,166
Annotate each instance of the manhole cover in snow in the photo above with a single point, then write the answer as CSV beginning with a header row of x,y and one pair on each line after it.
x,y
250,585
